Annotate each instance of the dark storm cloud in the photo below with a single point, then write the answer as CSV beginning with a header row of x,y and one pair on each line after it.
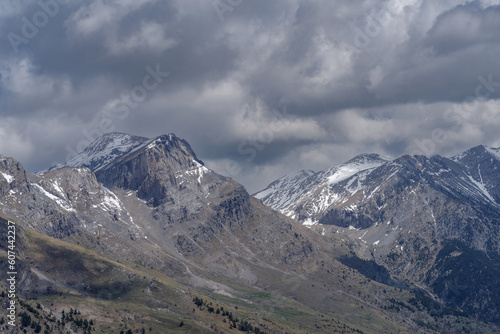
x,y
464,27
413,69
267,86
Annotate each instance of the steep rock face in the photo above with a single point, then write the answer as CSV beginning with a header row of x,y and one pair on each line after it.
x,y
12,176
73,187
178,187
482,164
173,198
64,203
158,181
153,169
78,193
34,206
233,209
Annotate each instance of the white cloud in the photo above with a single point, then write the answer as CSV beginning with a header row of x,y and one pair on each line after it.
x,y
375,76
489,3
150,37
258,121
100,15
19,78
12,143
26,83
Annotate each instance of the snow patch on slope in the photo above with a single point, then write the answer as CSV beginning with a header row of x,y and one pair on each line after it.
x,y
309,222
323,194
198,170
347,170
286,190
8,177
482,188
61,202
104,151
316,192
110,200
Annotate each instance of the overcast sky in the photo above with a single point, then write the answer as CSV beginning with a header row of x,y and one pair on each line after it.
x,y
259,88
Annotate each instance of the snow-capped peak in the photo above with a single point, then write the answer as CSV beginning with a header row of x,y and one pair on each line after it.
x,y
287,181
475,152
355,165
306,187
104,150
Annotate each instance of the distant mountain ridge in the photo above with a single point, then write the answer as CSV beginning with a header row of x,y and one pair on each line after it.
x,y
407,212
307,195
280,194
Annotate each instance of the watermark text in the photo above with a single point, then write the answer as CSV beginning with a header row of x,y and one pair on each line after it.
x,y
11,274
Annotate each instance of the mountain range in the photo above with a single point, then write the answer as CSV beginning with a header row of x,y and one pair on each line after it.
x,y
137,234
411,213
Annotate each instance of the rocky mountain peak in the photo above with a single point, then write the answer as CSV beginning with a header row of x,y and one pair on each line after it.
x,y
365,182
287,179
349,168
103,151
71,179
12,174
174,147
481,164
482,152
366,158
154,168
